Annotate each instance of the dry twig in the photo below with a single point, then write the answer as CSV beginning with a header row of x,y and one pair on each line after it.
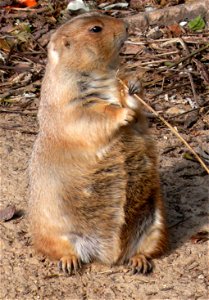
x,y
184,46
184,58
173,130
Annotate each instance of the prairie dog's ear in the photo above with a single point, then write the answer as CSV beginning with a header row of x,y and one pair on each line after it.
x,y
53,54
56,46
66,42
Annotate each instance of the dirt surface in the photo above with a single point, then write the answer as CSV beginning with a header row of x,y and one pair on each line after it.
x,y
181,98
181,274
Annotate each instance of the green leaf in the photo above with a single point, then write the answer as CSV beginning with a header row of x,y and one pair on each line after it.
x,y
197,23
189,156
168,63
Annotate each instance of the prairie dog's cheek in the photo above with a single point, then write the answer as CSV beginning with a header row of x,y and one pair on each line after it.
x,y
53,55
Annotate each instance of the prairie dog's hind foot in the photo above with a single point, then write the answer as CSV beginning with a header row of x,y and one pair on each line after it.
x,y
69,264
140,264
58,248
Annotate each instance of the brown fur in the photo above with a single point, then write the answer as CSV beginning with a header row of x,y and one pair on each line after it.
x,y
95,191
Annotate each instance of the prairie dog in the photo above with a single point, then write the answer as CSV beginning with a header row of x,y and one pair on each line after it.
x,y
95,191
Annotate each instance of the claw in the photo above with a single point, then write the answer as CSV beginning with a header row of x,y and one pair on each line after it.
x,y
75,265
69,264
69,267
134,271
140,264
150,267
79,263
59,265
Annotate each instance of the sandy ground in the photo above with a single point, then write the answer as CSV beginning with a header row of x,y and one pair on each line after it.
x,y
181,274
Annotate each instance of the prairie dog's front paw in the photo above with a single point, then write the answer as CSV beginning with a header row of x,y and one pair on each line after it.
x,y
127,116
134,86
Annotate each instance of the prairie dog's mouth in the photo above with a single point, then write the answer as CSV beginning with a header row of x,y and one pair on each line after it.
x,y
121,39
122,43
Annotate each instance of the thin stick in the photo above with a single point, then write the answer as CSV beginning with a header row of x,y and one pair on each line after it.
x,y
184,58
18,129
179,222
175,87
189,74
173,130
186,112
3,111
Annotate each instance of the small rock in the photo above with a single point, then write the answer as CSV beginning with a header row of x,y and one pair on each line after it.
x,y
175,111
136,4
115,5
8,149
166,288
7,213
183,23
191,119
193,266
77,5
155,33
149,8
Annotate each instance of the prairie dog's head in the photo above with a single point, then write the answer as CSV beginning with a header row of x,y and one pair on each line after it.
x,y
88,42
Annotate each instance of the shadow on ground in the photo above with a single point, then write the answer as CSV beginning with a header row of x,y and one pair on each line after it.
x,y
185,188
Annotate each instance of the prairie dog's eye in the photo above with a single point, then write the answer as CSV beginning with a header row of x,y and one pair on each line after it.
x,y
96,29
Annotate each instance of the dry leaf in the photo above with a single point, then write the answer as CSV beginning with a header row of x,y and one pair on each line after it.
x,y
204,152
189,156
28,3
155,33
5,3
200,237
4,45
203,70
175,111
132,49
175,29
191,119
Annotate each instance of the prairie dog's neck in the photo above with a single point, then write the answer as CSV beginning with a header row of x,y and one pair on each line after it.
x,y
99,85
60,83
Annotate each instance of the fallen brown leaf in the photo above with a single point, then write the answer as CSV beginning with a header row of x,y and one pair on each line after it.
x,y
4,45
132,49
175,29
28,3
200,237
203,70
